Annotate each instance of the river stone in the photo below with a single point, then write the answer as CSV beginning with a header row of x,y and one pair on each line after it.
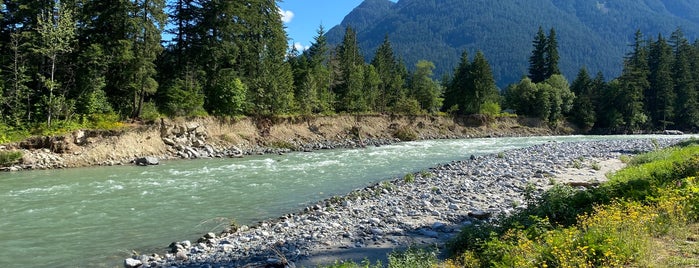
x,y
429,233
181,256
169,141
147,161
479,214
377,231
132,263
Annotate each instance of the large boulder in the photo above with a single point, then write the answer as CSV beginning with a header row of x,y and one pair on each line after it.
x,y
132,263
147,161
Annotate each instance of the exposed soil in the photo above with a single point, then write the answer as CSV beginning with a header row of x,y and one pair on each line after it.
x,y
91,148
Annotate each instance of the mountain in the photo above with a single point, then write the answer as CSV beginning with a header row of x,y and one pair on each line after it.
x,y
591,33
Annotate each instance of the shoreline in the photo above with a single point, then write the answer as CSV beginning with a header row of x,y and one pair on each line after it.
x,y
426,210
218,138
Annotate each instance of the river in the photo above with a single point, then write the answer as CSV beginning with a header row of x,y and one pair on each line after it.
x,y
95,217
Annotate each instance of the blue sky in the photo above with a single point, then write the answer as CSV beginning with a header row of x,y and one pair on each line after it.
x,y
302,17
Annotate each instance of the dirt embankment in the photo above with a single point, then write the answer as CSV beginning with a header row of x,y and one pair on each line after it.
x,y
212,137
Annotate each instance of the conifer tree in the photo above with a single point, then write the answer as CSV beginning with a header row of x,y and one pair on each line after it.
x,y
583,112
351,66
661,108
150,19
543,63
537,61
552,56
389,70
483,89
319,79
632,88
455,95
687,105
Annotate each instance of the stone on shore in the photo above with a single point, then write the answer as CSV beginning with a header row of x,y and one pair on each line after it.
x,y
132,263
147,161
454,195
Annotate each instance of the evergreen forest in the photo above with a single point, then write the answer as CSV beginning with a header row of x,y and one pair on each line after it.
x,y
89,63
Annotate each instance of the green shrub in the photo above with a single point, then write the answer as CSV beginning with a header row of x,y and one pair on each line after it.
x,y
412,258
149,112
408,106
409,178
615,225
105,121
490,108
8,158
405,134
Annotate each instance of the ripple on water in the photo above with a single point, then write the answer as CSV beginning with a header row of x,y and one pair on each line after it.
x,y
45,191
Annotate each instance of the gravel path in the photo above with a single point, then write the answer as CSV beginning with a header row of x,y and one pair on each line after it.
x,y
428,210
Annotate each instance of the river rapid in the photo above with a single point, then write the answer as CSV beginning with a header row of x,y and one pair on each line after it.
x,y
98,216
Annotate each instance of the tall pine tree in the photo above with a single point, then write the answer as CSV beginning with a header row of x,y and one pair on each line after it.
x,y
687,105
537,61
661,90
631,87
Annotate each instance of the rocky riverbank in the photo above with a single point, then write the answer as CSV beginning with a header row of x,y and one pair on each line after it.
x,y
426,208
212,137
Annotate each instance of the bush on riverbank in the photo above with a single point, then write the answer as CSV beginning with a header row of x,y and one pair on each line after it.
x,y
620,223
8,158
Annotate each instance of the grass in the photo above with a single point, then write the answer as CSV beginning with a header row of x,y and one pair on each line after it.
x,y
409,178
60,127
649,205
413,257
9,157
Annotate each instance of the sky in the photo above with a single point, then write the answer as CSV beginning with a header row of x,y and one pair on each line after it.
x,y
303,17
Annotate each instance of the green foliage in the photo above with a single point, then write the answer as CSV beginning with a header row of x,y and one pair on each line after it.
x,y
583,111
104,121
424,89
279,144
408,106
472,86
610,226
8,158
538,68
185,98
405,133
348,264
149,112
413,258
548,100
409,178
10,134
228,96
491,109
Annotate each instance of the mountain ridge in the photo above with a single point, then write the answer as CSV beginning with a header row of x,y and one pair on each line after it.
x,y
591,33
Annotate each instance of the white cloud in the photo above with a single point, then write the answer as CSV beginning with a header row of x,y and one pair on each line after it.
x,y
287,15
300,47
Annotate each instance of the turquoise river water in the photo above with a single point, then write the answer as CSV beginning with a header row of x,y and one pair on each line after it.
x,y
95,217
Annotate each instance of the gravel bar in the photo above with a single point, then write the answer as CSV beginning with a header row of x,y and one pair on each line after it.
x,y
427,210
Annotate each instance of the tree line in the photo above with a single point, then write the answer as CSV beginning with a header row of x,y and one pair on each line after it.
x,y
68,60
657,90
75,60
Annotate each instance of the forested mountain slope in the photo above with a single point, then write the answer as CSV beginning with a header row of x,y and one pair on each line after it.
x,y
591,33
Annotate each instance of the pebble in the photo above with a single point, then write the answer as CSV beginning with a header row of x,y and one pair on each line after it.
x,y
435,207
